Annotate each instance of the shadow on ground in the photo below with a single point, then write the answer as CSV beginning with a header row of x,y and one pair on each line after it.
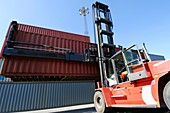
x,y
141,110
120,110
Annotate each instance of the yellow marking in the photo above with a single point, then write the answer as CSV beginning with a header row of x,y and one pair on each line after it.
x,y
156,76
158,104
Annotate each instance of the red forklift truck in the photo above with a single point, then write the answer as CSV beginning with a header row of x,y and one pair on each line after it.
x,y
129,79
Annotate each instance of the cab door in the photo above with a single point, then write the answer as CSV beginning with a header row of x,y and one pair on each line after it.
x,y
134,64
129,61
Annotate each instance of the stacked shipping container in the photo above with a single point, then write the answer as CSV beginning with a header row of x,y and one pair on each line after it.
x,y
19,66
43,88
44,95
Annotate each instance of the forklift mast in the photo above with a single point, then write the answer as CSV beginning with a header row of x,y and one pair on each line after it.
x,y
104,36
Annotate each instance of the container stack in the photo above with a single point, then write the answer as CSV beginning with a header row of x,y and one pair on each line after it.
x,y
30,67
36,74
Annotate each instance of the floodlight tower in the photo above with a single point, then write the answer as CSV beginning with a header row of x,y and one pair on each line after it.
x,y
84,11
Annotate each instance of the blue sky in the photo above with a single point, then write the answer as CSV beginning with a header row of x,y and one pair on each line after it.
x,y
135,21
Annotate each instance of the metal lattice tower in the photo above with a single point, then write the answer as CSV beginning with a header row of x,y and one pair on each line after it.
x,y
84,11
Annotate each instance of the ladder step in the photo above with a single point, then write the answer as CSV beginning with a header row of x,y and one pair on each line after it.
x,y
108,45
92,55
101,5
104,21
106,32
118,96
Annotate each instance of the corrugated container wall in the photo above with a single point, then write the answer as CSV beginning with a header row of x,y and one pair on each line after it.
x,y
43,95
32,66
37,35
28,66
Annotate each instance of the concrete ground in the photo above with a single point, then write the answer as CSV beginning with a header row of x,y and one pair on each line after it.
x,y
89,108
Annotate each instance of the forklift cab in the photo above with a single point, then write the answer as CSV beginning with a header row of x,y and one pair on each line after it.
x,y
127,65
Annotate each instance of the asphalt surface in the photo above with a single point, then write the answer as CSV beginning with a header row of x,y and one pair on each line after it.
x,y
86,110
89,108
92,110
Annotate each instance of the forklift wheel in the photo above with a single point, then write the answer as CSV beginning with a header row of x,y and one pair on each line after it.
x,y
99,102
166,94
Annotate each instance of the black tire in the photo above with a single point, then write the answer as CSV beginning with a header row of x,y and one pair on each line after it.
x,y
99,103
166,94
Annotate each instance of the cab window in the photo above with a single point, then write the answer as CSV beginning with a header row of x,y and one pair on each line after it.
x,y
120,68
